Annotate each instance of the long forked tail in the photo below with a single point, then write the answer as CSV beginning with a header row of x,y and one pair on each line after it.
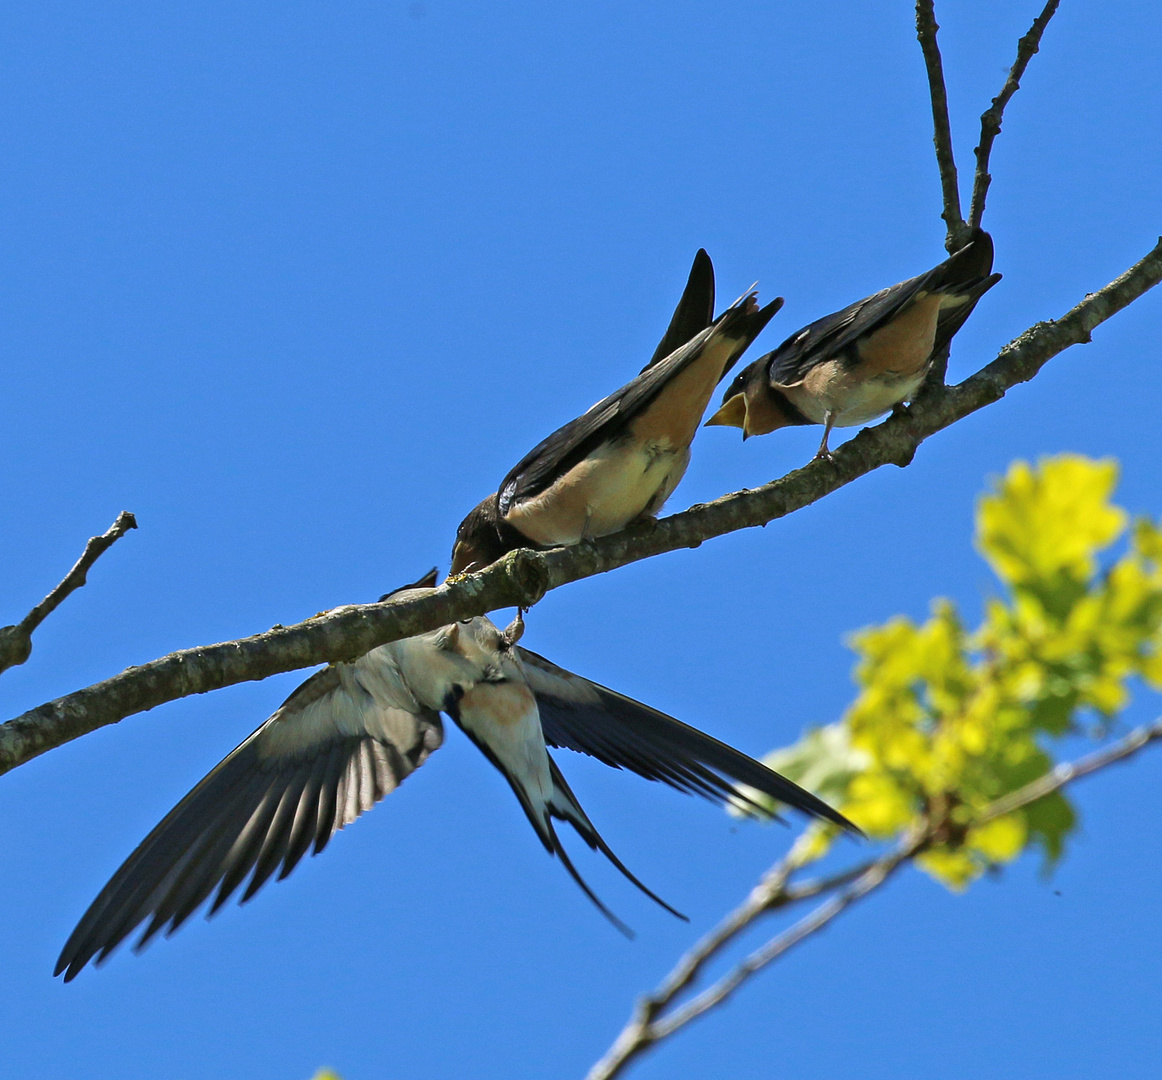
x,y
561,804
564,807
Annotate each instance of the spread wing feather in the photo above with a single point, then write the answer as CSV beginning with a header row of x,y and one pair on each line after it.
x,y
327,755
580,715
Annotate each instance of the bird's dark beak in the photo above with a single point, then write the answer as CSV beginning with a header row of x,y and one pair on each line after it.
x,y
465,560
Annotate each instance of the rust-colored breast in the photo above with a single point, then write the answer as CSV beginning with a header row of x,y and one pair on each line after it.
x,y
504,704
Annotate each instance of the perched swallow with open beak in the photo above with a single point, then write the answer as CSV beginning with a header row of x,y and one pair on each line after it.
x,y
353,732
847,368
620,461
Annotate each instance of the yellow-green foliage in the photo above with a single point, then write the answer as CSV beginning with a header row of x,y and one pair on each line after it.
x,y
948,720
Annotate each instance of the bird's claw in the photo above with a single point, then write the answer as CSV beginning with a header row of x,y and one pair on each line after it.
x,y
515,629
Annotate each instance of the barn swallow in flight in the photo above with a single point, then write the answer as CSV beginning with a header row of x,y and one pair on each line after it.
x,y
621,460
848,368
354,731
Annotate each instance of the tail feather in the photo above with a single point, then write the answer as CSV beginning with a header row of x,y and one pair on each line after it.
x,y
972,261
695,311
966,273
950,322
541,819
567,808
562,804
557,848
744,320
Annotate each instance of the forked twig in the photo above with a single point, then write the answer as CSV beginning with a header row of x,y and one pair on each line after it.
x,y
16,640
926,28
990,121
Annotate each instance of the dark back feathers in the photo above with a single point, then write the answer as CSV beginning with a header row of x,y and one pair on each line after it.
x,y
571,444
967,272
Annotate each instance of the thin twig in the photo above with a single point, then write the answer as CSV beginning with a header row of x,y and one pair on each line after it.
x,y
648,1025
1067,772
16,641
772,893
870,880
990,121
522,577
926,28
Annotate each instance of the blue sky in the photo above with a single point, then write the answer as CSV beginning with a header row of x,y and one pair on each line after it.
x,y
298,283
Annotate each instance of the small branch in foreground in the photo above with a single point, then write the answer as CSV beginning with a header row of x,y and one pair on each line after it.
x,y
16,641
867,882
926,28
522,577
648,1024
1068,772
774,891
990,121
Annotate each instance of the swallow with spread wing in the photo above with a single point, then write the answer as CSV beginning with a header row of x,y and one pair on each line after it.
x,y
354,731
621,460
850,367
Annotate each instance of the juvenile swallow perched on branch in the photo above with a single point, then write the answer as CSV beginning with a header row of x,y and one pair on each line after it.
x,y
621,460
847,368
354,731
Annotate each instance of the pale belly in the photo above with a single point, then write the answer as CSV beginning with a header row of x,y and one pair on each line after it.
x,y
853,402
504,717
601,495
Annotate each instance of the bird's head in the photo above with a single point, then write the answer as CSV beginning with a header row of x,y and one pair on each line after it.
x,y
478,543
753,404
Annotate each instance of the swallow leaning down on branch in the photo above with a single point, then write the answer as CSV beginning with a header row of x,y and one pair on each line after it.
x,y
621,460
848,368
353,732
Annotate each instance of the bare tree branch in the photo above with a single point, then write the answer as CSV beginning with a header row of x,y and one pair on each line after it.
x,y
774,891
16,641
990,121
648,1025
926,28
523,577
867,882
1067,772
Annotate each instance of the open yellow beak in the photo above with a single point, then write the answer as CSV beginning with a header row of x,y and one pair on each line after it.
x,y
732,414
